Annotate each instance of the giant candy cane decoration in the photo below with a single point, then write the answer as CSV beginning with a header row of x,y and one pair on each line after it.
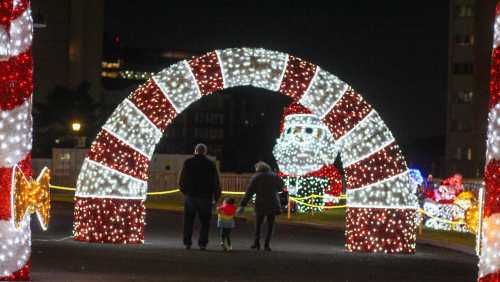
x,y
489,264
16,87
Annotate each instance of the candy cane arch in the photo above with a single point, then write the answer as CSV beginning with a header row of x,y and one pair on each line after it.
x,y
489,263
111,186
16,87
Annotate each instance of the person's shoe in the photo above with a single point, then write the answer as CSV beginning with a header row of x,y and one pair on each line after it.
x,y
229,248
187,247
223,246
255,246
203,248
267,248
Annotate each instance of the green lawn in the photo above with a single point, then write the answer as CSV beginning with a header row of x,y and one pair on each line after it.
x,y
334,218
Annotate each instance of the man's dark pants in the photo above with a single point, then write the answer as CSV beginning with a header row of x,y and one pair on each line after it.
x,y
202,208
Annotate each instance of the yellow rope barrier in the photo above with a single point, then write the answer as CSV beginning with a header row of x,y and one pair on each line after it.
x,y
233,193
173,191
159,193
163,192
62,188
298,200
317,206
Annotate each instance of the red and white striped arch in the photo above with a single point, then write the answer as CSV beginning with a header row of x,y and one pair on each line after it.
x,y
112,185
16,87
489,263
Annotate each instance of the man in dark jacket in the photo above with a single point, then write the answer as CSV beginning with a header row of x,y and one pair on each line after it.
x,y
199,182
266,186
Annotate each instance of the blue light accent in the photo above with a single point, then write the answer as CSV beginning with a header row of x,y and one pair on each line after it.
x,y
416,177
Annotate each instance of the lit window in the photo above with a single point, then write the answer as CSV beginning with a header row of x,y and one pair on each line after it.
x,y
458,153
465,96
464,39
464,8
469,153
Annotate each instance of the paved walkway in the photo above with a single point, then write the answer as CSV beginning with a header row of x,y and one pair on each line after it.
x,y
299,254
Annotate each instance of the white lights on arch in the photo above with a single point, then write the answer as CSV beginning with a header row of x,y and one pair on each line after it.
x,y
257,67
370,135
97,180
21,33
391,192
178,84
15,134
19,38
496,34
490,259
4,44
306,149
493,140
131,126
15,246
324,91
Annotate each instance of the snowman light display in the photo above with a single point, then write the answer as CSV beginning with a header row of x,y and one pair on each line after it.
x,y
305,153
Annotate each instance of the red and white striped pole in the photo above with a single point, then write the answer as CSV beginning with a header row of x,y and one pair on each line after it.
x,y
16,88
489,264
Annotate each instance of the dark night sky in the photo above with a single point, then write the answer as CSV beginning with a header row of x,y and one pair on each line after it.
x,y
393,52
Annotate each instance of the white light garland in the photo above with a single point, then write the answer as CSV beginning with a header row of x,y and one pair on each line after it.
x,y
15,246
256,67
20,37
324,91
395,191
490,259
4,44
493,140
98,181
132,127
496,34
21,33
370,135
178,85
15,134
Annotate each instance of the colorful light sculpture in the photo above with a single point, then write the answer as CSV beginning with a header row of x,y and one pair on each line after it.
x,y
111,187
489,262
16,87
305,152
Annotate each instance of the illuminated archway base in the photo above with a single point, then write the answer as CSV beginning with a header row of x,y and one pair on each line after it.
x,y
112,184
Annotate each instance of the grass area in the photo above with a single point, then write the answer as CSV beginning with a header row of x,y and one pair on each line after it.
x,y
455,238
333,218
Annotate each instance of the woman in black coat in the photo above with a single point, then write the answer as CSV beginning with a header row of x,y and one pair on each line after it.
x,y
265,185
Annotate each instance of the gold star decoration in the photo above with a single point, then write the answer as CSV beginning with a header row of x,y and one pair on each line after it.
x,y
32,196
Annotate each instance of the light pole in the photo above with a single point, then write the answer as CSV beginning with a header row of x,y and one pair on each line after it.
x,y
76,126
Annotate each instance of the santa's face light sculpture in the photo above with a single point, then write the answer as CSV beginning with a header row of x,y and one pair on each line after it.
x,y
305,145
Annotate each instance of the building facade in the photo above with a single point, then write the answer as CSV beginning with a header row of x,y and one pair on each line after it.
x,y
470,41
68,48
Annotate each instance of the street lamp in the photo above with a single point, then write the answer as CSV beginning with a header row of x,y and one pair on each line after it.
x,y
76,126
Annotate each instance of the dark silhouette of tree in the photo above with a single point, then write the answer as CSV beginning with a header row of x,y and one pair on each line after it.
x,y
52,118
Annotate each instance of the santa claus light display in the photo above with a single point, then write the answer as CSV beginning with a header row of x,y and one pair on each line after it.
x,y
305,153
111,187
